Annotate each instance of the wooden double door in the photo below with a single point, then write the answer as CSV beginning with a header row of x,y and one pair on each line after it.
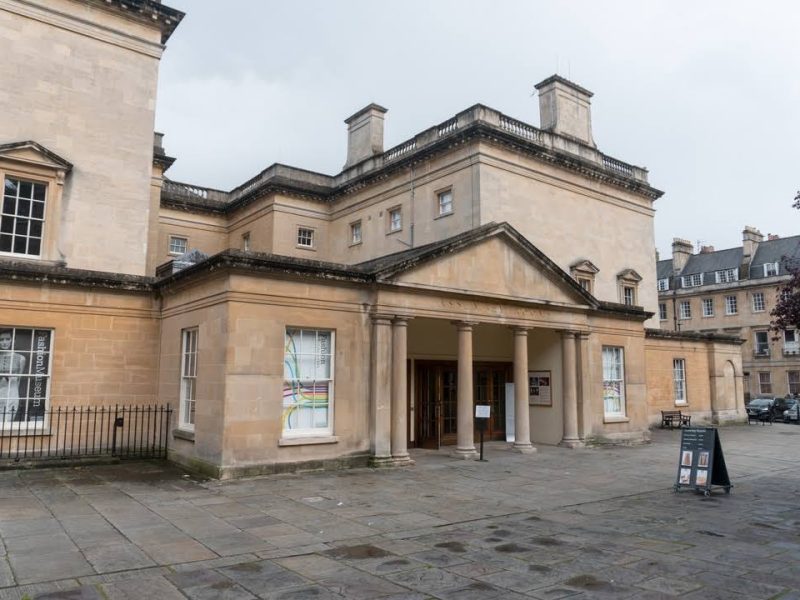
x,y
436,400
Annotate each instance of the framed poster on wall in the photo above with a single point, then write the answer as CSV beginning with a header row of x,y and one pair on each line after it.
x,y
539,388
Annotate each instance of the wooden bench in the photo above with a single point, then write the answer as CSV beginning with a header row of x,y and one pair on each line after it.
x,y
674,418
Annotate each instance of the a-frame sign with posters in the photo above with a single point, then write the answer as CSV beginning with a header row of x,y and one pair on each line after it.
x,y
701,464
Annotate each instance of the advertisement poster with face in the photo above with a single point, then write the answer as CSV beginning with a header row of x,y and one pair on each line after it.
x,y
24,374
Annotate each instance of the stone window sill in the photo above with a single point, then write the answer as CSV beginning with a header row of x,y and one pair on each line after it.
x,y
308,441
183,434
22,433
619,419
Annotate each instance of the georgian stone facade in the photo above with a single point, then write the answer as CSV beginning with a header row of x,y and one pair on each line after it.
x,y
313,319
733,292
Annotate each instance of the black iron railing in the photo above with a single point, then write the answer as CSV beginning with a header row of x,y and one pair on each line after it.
x,y
85,432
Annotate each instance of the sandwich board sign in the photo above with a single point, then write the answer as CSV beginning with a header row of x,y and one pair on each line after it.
x,y
701,463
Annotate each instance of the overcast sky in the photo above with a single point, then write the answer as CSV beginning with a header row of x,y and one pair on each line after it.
x,y
706,95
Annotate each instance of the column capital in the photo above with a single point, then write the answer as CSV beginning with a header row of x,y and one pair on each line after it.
x,y
381,318
583,335
464,325
520,329
401,320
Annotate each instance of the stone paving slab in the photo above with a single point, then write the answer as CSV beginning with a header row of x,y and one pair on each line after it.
x,y
572,524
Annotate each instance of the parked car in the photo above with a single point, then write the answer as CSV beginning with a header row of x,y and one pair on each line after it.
x,y
792,411
766,408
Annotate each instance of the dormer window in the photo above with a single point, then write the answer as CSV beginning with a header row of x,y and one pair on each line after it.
x,y
694,280
663,284
726,275
770,269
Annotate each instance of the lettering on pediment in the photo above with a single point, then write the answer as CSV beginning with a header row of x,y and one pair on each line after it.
x,y
493,268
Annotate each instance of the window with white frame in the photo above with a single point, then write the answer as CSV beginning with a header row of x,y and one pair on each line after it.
x,y
685,309
25,366
22,217
679,380
765,382
785,294
613,381
726,275
731,307
585,283
791,343
692,280
178,245
758,302
355,233
305,237
628,295
770,269
708,307
395,219
308,382
762,343
445,202
246,241
662,311
188,378
663,284
794,382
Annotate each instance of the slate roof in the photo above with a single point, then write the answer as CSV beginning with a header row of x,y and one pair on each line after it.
x,y
768,251
774,251
664,269
713,261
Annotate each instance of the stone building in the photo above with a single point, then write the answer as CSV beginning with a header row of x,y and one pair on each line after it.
x,y
733,292
305,318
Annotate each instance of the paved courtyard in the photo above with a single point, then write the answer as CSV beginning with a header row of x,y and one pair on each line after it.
x,y
593,523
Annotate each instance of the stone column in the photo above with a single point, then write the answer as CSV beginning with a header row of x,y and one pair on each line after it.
x,y
380,391
400,390
584,385
570,390
465,443
522,410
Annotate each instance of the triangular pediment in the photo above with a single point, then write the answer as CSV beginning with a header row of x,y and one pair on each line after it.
x,y
494,262
31,153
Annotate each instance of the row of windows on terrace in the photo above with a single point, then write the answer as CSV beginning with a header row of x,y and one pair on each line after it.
x,y
731,305
723,276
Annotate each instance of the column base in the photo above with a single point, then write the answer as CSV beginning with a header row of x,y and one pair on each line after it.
x,y
573,443
402,460
389,462
523,448
465,453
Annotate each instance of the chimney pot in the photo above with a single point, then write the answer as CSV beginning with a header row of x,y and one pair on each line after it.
x,y
706,249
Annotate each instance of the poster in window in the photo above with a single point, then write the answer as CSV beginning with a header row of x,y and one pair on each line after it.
x,y
539,388
24,374
307,385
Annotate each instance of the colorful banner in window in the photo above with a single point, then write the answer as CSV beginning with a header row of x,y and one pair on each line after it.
x,y
307,380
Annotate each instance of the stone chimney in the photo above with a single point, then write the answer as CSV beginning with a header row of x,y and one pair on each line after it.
x,y
681,251
364,134
706,249
565,109
751,237
771,237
